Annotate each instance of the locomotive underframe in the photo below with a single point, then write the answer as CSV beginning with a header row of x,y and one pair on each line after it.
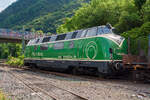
x,y
102,67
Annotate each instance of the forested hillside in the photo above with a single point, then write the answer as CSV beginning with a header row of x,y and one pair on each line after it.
x,y
131,18
35,15
42,15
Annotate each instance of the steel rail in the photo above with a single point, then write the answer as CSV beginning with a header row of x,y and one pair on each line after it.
x,y
68,91
52,96
31,88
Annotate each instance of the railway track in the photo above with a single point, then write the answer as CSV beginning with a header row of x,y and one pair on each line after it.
x,y
122,78
83,77
35,87
29,87
50,77
86,77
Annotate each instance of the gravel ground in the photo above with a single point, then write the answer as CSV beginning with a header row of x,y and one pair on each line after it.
x,y
93,90
16,90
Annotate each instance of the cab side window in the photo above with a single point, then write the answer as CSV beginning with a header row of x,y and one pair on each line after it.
x,y
91,32
46,39
74,35
69,35
53,38
83,33
61,37
79,34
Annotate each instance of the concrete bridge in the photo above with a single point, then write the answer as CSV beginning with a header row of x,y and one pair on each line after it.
x,y
11,36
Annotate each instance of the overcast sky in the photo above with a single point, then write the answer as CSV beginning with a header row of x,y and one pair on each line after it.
x,y
5,3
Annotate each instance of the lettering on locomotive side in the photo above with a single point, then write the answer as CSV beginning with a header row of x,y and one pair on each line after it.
x,y
65,57
44,47
37,54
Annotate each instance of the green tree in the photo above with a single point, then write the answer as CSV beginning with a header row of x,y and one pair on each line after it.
x,y
100,12
128,21
146,11
139,4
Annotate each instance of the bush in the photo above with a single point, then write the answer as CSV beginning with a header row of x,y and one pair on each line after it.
x,y
136,35
19,61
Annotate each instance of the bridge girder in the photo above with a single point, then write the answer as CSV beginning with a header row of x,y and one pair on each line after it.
x,y
11,40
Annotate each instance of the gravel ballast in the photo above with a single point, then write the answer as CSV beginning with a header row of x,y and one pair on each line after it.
x,y
93,90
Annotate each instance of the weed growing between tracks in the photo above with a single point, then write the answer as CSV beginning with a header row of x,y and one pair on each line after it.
x,y
3,97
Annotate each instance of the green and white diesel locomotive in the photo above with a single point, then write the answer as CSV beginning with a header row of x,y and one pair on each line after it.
x,y
93,48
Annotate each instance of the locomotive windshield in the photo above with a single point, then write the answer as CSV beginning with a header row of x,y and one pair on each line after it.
x,y
103,30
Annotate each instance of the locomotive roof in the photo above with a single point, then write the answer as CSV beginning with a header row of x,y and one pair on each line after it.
x,y
75,34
